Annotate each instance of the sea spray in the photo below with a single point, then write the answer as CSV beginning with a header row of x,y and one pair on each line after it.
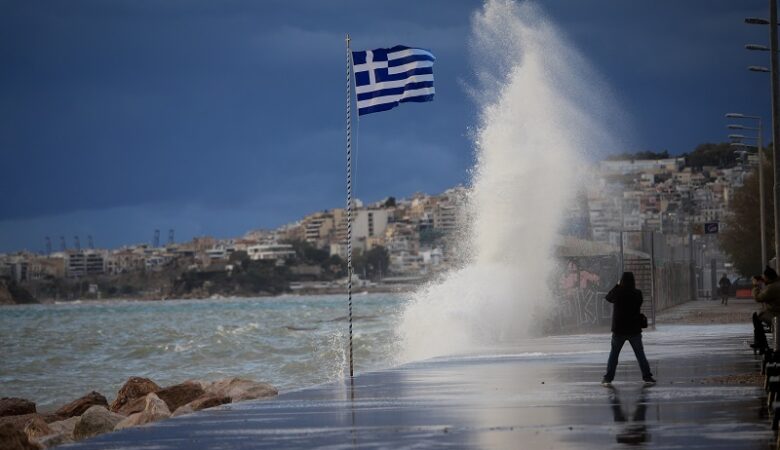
x,y
337,365
541,109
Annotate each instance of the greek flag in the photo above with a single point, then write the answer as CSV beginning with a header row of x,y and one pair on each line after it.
x,y
385,77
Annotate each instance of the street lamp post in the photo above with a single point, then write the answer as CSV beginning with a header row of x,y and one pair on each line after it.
x,y
762,212
775,97
775,90
775,121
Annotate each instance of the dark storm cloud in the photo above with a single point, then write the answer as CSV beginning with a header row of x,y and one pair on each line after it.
x,y
125,103
221,116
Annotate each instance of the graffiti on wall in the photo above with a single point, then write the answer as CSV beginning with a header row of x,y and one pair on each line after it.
x,y
580,290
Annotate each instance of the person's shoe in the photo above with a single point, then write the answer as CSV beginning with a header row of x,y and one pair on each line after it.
x,y
606,383
649,381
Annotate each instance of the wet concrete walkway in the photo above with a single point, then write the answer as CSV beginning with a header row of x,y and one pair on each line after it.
x,y
541,394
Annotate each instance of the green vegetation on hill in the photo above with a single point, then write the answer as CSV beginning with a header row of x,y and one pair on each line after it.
x,y
306,254
372,264
11,293
639,156
709,154
241,276
247,278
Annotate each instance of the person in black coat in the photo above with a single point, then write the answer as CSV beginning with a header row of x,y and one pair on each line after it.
x,y
626,326
724,286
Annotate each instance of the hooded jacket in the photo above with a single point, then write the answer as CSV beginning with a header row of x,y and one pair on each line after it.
x,y
625,312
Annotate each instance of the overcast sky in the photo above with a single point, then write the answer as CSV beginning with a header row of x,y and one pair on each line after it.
x,y
216,117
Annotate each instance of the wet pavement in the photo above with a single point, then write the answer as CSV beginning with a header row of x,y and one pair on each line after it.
x,y
541,394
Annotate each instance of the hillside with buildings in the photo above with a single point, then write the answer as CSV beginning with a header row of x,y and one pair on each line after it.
x,y
398,243
306,256
664,195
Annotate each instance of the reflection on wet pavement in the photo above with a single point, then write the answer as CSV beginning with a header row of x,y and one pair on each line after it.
x,y
634,430
538,394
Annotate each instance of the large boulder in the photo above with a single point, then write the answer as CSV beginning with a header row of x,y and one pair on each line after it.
x,y
64,426
81,405
37,428
133,406
155,409
54,440
11,438
209,401
96,420
183,410
180,394
62,433
39,432
20,421
11,406
203,402
240,389
134,387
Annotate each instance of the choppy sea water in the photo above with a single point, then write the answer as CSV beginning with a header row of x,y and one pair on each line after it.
x,y
52,354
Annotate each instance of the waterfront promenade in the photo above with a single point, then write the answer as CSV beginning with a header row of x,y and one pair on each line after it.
x,y
540,394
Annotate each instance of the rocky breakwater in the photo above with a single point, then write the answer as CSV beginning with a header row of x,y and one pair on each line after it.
x,y
138,402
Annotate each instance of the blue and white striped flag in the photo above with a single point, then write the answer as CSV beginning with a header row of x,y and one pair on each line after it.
x,y
385,77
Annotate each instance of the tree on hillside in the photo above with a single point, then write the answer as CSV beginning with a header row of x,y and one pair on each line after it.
x,y
639,156
372,263
336,266
709,154
741,234
307,253
240,259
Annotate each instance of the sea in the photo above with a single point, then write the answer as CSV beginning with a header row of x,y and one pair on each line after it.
x,y
52,354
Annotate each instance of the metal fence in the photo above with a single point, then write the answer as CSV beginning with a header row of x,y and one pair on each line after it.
x,y
669,270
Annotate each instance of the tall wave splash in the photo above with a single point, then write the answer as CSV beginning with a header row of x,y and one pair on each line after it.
x,y
542,109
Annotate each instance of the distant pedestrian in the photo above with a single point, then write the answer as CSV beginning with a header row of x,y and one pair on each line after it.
x,y
724,286
626,326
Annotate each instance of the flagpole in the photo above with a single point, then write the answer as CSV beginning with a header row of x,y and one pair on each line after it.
x,y
349,198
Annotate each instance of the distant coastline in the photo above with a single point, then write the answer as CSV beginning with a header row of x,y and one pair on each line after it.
x,y
303,291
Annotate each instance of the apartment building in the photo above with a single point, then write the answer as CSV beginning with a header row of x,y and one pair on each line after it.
x,y
318,228
368,227
270,252
82,263
125,260
625,167
449,211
